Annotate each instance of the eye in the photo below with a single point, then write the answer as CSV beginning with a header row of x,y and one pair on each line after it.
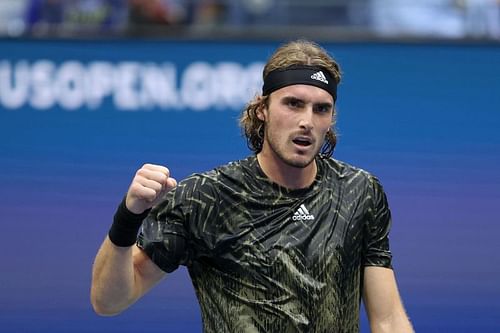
x,y
294,103
322,108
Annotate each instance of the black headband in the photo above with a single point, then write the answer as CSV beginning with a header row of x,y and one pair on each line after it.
x,y
300,74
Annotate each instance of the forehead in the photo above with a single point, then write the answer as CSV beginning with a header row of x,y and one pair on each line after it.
x,y
305,92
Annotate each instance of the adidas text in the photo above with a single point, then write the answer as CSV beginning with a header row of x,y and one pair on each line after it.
x,y
303,217
302,214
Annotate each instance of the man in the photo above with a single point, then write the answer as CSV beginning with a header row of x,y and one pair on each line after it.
x,y
286,240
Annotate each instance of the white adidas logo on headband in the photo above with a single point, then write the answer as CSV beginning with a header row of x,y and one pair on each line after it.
x,y
320,77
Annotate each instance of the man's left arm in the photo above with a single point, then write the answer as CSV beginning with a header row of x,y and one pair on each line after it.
x,y
382,302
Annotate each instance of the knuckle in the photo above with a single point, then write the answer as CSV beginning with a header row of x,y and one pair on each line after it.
x,y
156,186
134,188
163,178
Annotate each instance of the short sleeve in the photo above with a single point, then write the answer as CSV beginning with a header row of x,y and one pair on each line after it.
x,y
170,235
377,228
163,236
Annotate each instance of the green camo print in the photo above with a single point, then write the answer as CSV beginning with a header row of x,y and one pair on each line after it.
x,y
264,258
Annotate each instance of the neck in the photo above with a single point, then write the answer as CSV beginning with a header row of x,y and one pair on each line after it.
x,y
286,175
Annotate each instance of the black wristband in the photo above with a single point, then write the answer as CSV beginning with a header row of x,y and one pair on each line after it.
x,y
123,231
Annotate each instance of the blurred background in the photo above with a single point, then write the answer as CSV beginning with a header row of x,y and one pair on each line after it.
x,y
208,18
92,89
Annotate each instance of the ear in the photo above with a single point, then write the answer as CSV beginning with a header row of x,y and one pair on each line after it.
x,y
261,111
334,118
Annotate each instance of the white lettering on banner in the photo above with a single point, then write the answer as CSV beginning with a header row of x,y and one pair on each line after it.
x,y
69,85
197,86
14,95
98,83
229,83
126,76
127,85
159,86
42,89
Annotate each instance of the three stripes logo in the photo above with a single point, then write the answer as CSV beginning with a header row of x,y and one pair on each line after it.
x,y
302,214
319,76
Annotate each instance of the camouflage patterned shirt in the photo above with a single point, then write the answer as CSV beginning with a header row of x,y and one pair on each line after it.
x,y
264,258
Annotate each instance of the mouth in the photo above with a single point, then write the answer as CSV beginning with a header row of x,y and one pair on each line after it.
x,y
303,141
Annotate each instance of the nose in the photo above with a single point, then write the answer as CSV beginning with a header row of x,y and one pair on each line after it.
x,y
306,119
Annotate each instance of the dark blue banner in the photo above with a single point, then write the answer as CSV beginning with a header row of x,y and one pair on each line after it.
x,y
77,118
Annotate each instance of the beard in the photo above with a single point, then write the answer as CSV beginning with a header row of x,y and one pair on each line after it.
x,y
280,151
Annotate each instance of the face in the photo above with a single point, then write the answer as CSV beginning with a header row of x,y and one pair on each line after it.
x,y
296,122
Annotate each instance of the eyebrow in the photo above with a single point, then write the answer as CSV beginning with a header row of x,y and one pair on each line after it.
x,y
292,97
288,98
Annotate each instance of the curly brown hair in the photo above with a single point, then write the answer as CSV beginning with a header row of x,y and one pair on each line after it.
x,y
299,52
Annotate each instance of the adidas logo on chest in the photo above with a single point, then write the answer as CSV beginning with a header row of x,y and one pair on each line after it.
x,y
302,214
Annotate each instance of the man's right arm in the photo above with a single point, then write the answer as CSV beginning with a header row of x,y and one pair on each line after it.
x,y
120,276
122,272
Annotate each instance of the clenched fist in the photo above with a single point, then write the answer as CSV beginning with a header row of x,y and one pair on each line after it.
x,y
149,185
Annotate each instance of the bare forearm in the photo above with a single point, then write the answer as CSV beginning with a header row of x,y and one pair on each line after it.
x,y
113,280
382,302
396,323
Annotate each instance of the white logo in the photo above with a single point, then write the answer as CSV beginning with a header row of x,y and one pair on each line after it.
x,y
320,77
302,214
